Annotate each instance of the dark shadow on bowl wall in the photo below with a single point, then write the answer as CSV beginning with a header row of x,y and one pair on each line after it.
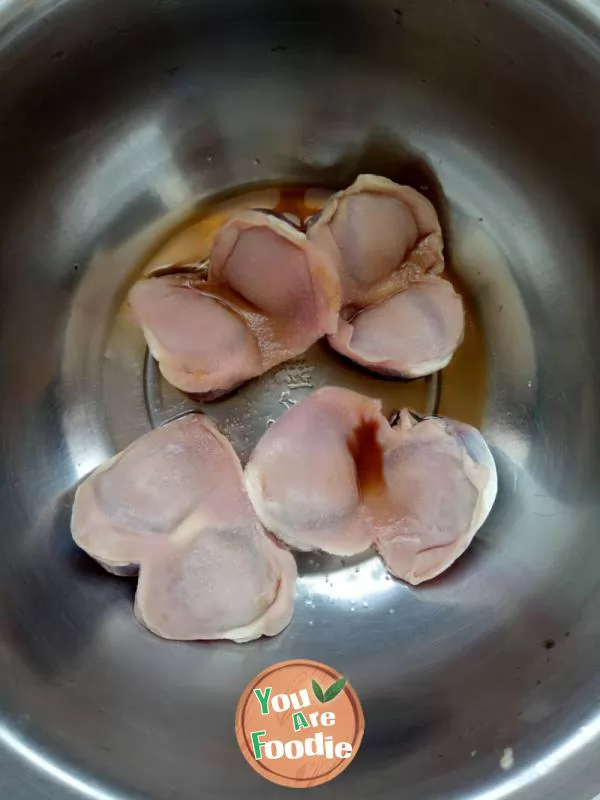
x,y
55,596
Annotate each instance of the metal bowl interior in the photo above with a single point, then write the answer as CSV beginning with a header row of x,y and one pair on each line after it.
x,y
117,120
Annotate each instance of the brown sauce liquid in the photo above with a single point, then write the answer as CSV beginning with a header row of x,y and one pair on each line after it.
x,y
292,200
367,453
464,381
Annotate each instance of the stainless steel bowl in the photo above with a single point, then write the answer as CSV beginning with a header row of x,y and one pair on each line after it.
x,y
116,119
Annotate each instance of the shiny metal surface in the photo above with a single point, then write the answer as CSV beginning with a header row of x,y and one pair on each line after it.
x,y
116,118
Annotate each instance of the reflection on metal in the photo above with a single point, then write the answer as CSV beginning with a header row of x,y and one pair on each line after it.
x,y
51,768
551,762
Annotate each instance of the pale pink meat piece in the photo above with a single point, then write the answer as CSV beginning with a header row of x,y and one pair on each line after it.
x,y
270,294
200,343
381,236
302,476
332,474
221,581
440,484
269,263
172,507
411,334
386,241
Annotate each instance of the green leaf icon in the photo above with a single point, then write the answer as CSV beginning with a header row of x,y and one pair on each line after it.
x,y
318,692
331,693
334,690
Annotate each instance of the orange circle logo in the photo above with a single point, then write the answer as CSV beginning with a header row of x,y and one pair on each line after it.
x,y
299,723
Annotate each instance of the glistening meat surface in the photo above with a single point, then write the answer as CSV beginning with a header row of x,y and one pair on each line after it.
x,y
172,507
411,334
381,236
270,294
386,241
332,474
